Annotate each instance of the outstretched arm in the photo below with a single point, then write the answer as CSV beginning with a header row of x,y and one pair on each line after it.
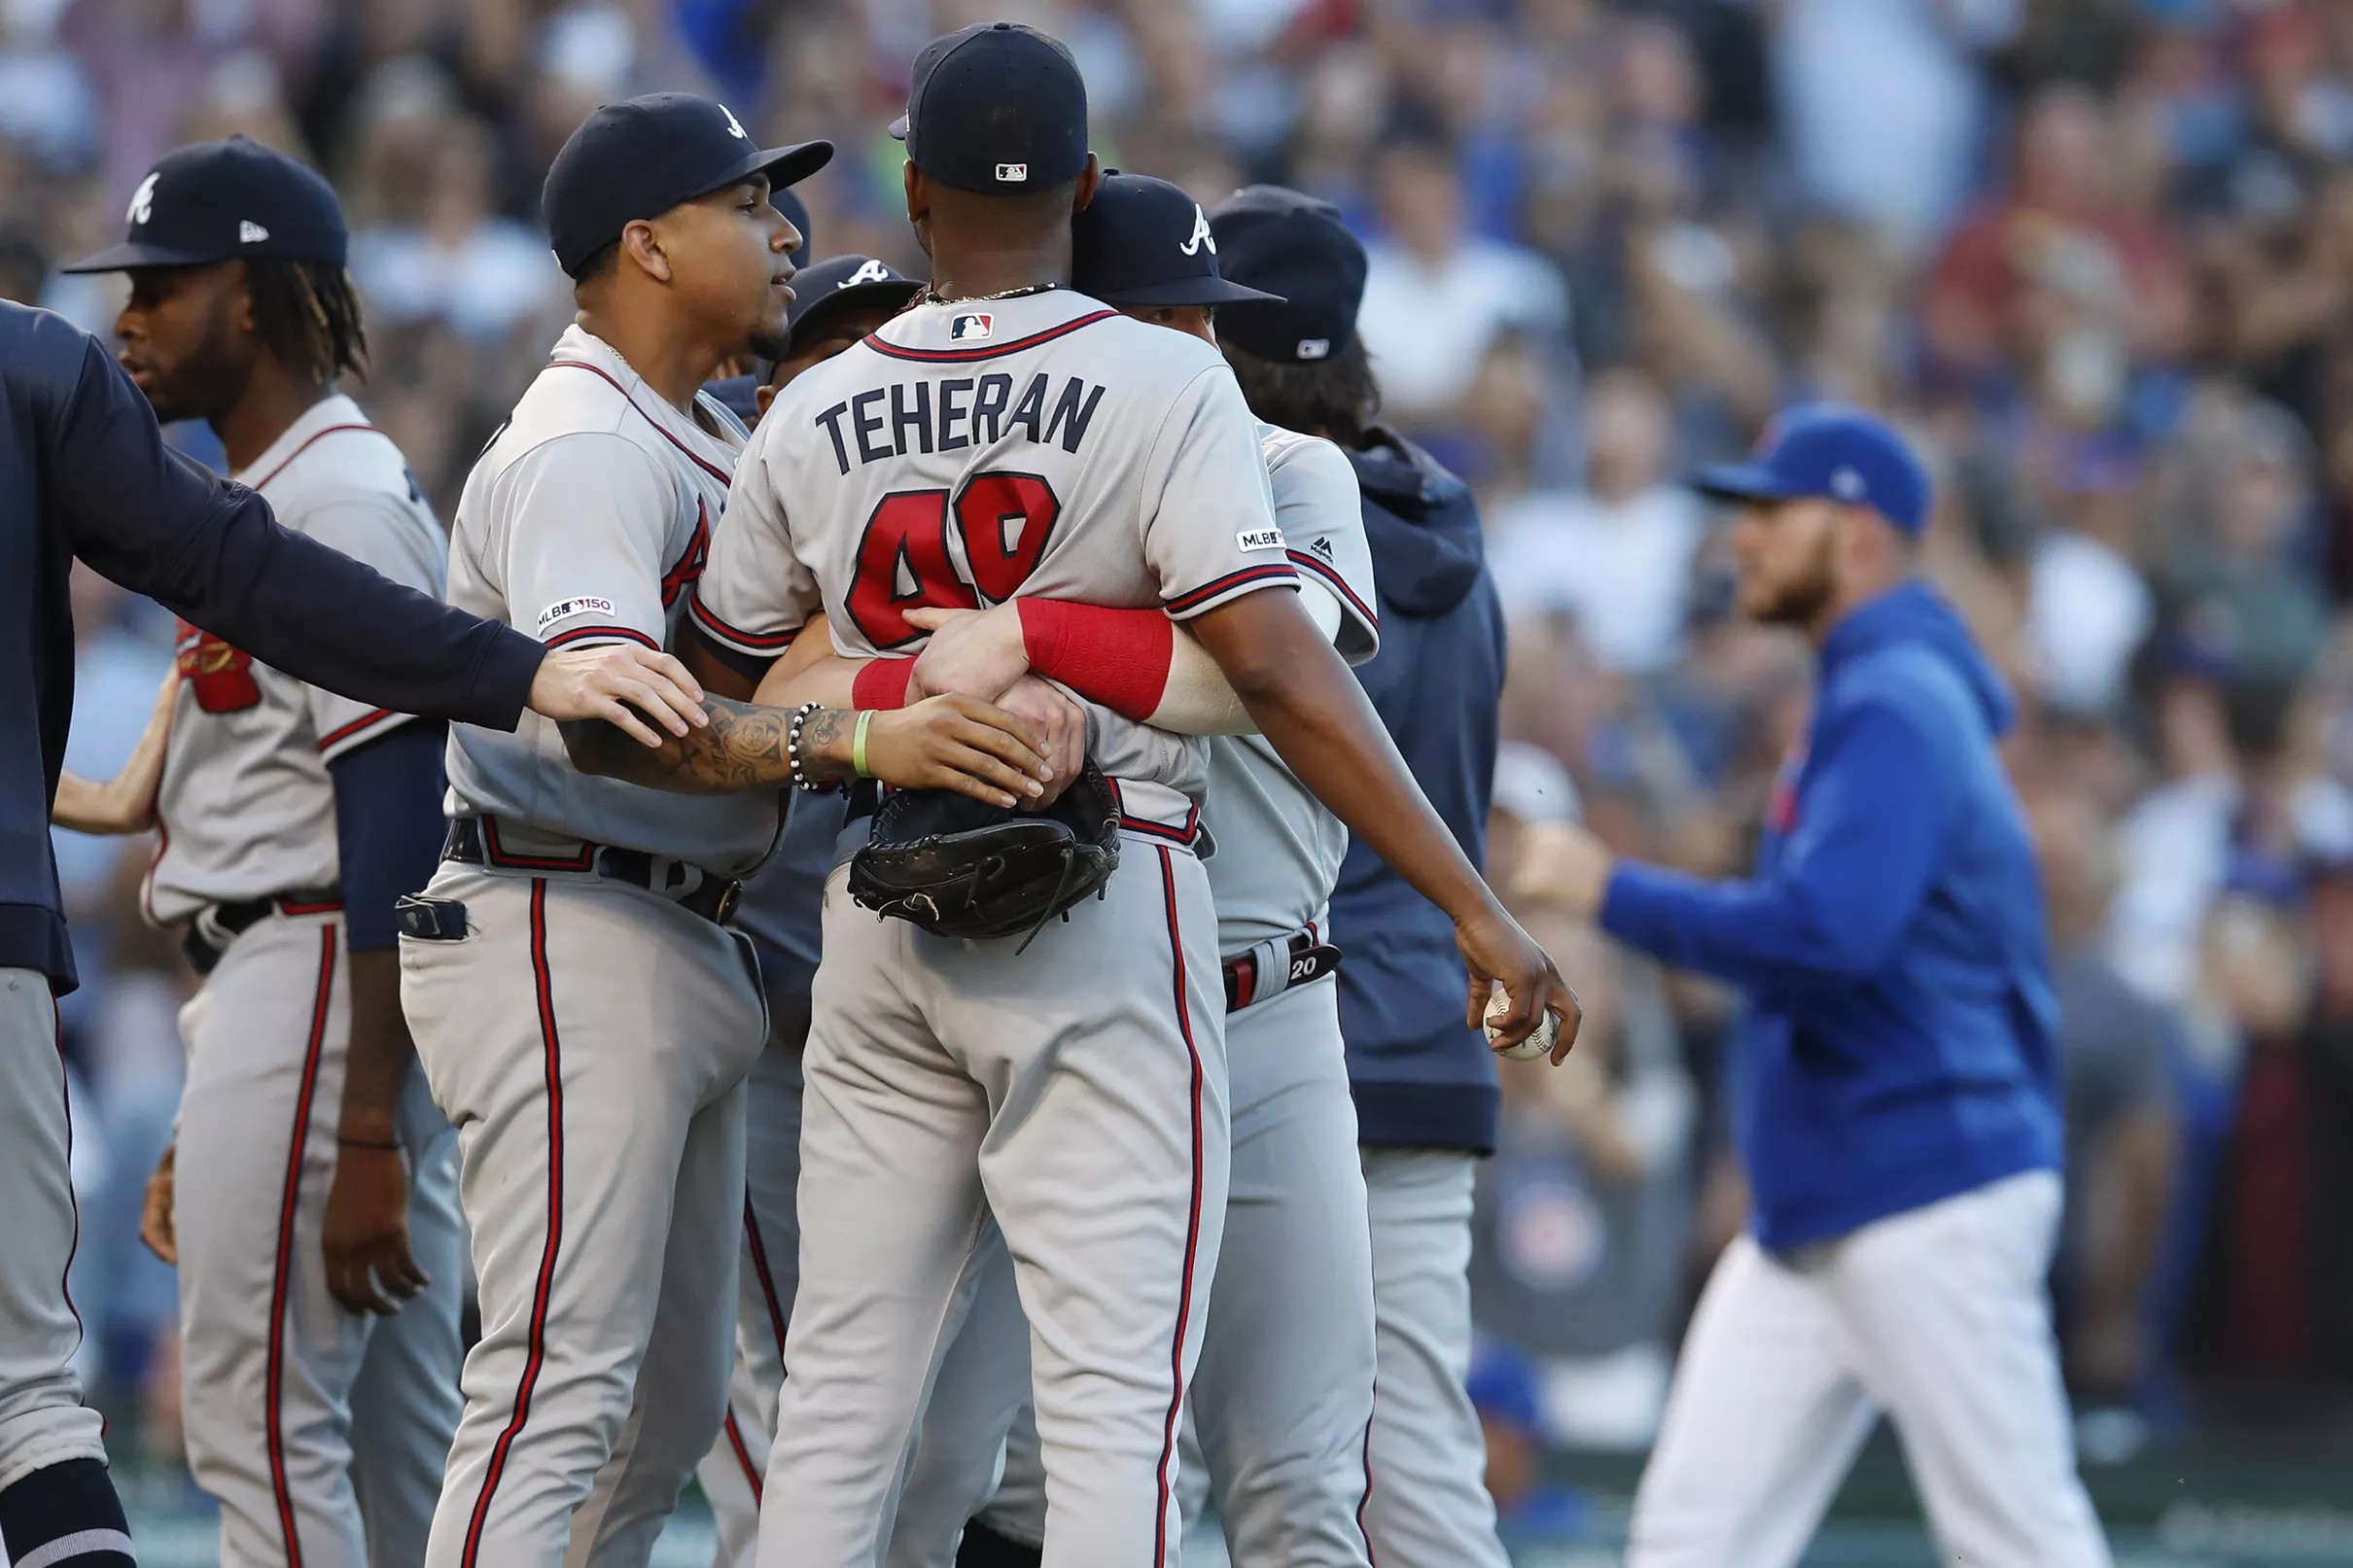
x,y
1309,707
126,802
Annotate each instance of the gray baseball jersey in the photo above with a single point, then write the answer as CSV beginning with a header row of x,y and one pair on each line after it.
x,y
1278,849
1091,458
246,806
586,520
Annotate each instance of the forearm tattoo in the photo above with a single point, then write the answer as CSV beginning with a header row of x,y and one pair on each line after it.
x,y
742,747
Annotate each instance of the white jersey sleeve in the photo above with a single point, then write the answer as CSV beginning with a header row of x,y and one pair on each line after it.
x,y
586,520
374,528
758,593
1209,516
1320,512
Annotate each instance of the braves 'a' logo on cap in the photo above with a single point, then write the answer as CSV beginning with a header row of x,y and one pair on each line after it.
x,y
735,126
868,272
972,328
1201,235
250,233
143,201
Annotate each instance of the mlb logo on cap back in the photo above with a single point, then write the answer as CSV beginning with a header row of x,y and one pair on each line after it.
x,y
1012,173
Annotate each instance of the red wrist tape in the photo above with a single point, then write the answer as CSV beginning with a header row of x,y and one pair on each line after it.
x,y
882,684
1117,657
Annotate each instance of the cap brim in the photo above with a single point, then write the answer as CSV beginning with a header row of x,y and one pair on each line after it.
x,y
129,257
898,128
1740,481
782,165
1190,292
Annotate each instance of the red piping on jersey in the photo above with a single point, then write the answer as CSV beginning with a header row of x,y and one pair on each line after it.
x,y
1337,583
771,643
585,860
661,428
991,351
1192,1233
314,440
274,1380
1187,603
688,569
767,1280
345,732
743,1455
536,1338
1188,834
581,634
331,906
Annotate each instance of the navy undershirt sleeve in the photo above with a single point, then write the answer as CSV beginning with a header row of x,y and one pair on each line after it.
x,y
388,826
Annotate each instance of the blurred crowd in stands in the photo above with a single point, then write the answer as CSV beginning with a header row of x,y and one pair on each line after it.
x,y
2097,255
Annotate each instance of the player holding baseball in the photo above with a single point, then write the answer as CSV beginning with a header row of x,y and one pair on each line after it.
x,y
584,1014
312,1184
1004,436
1899,1114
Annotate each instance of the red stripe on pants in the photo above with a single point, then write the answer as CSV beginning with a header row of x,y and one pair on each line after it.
x,y
537,1340
1192,1233
281,1279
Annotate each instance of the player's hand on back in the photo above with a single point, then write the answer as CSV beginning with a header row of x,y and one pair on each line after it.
x,y
978,653
948,742
1495,948
617,683
1057,723
155,1209
366,1230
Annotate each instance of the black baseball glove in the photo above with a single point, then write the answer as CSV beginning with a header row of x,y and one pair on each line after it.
x,y
956,866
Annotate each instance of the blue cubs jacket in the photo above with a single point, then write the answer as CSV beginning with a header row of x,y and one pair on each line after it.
x,y
1900,1045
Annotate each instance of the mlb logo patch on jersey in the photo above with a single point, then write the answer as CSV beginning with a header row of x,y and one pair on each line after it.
x,y
565,608
973,327
1259,539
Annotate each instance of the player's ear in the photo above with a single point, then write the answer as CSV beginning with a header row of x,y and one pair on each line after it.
x,y
1089,178
762,396
642,243
241,302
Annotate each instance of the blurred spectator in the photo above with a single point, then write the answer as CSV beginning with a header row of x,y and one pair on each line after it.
x,y
1617,557
2243,582
1530,1511
1435,294
2118,1051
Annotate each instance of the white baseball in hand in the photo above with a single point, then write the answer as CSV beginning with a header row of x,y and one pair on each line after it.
x,y
1540,1042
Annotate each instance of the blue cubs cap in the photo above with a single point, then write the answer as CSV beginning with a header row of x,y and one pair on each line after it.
x,y
1143,241
644,156
1292,246
1830,451
219,200
997,108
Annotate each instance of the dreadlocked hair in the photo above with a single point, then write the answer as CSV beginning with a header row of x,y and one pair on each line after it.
x,y
308,314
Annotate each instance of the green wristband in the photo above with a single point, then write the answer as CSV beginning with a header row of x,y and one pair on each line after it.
x,y
857,743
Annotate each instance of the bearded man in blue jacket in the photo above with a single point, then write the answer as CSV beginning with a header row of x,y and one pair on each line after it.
x,y
1895,1083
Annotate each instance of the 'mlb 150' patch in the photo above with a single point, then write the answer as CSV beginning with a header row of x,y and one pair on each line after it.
x,y
1259,539
564,609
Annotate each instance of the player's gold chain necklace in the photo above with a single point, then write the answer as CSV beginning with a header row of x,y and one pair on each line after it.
x,y
934,296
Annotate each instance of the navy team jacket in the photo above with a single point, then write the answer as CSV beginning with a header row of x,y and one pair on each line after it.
x,y
1900,1045
1419,1077
84,471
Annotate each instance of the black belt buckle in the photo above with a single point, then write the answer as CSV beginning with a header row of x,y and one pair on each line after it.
x,y
428,918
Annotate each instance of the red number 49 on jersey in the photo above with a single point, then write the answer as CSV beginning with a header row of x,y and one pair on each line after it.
x,y
1006,519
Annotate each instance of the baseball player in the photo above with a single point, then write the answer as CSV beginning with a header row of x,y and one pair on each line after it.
x,y
291,820
1899,1111
584,1013
1423,1084
835,303
85,476
1282,1400
1009,436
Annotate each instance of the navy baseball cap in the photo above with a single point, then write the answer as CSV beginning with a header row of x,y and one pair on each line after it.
x,y
642,156
1143,241
1831,451
1295,248
218,200
841,283
996,107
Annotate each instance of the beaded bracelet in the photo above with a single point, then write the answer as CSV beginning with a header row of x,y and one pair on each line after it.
x,y
793,757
